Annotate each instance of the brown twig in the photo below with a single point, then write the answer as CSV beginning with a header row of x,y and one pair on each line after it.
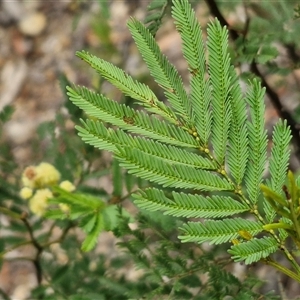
x,y
39,248
281,111
62,237
214,9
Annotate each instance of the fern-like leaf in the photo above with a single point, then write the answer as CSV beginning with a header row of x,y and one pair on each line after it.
x,y
128,86
218,232
278,163
83,200
280,155
194,53
93,230
164,73
214,116
237,154
253,250
219,70
187,205
257,141
127,118
166,174
156,11
96,134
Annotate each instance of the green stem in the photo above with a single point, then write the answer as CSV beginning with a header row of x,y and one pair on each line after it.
x,y
253,209
292,260
288,255
294,218
277,226
283,269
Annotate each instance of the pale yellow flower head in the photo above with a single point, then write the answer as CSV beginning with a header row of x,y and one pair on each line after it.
x,y
39,202
26,192
42,175
64,207
67,186
46,174
29,177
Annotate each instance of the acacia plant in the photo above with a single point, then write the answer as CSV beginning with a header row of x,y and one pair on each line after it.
x,y
205,151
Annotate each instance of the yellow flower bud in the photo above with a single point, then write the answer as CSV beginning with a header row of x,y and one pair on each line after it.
x,y
64,207
235,241
29,176
245,234
67,186
26,193
39,202
46,174
40,176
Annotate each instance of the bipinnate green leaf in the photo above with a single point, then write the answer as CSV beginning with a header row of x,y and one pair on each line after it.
x,y
218,232
127,85
189,28
88,222
187,205
280,155
253,250
278,163
79,199
169,175
164,73
111,217
93,228
105,109
266,53
219,71
172,147
194,52
156,11
83,207
55,214
257,137
96,134
237,154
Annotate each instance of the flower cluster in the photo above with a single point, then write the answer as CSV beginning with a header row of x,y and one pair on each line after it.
x,y
37,182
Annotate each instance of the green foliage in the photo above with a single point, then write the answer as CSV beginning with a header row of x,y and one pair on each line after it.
x,y
6,161
182,265
257,137
219,71
218,232
156,12
297,12
83,207
164,73
195,165
6,113
211,127
254,250
191,206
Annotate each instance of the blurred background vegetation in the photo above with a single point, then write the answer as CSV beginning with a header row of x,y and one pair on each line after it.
x,y
42,259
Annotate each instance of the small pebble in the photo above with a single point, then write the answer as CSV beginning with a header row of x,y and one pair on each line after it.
x,y
33,24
